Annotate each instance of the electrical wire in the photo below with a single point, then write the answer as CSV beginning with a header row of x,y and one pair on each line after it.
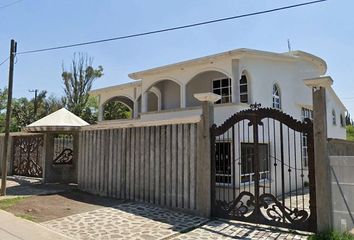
x,y
10,4
4,61
170,29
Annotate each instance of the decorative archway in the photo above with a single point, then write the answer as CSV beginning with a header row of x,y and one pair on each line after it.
x,y
209,81
118,107
168,93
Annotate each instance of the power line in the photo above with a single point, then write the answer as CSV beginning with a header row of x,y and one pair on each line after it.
x,y
4,61
10,4
171,29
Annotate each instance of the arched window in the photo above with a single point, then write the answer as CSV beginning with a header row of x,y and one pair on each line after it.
x,y
334,118
244,89
276,97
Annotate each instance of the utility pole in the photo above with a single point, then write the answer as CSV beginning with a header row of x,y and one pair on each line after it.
x,y
289,45
35,107
13,49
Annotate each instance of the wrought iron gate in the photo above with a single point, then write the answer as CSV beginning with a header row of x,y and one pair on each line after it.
x,y
27,155
263,169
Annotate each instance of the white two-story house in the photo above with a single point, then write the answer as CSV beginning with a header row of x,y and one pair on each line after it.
x,y
241,77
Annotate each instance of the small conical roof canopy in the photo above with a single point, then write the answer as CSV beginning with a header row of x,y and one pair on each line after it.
x,y
61,120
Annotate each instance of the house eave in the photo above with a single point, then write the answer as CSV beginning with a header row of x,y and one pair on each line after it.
x,y
98,91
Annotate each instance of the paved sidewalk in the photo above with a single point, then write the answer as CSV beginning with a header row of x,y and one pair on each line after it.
x,y
125,221
219,229
144,221
15,228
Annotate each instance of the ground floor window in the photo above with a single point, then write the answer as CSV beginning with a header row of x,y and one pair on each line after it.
x,y
305,113
223,162
247,166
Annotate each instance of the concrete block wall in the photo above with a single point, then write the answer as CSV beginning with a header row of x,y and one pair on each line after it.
x,y
341,159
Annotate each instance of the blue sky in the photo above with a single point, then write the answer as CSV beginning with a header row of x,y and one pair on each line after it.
x,y
325,29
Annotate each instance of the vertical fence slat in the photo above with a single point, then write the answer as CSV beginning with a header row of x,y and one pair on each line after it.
x,y
168,166
114,162
137,164
79,161
157,166
110,164
142,162
174,166
89,156
95,160
132,164
106,142
101,175
127,165
193,159
152,165
146,164
163,164
180,167
123,164
186,149
119,162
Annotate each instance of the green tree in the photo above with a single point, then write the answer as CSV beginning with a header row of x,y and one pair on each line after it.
x,y
90,113
77,84
116,110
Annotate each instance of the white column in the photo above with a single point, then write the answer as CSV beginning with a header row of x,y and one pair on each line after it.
x,y
135,110
144,102
100,113
183,96
100,109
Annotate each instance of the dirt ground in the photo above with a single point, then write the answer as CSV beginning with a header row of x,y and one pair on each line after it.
x,y
47,207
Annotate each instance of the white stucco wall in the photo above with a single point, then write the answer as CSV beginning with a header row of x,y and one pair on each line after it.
x,y
262,72
333,104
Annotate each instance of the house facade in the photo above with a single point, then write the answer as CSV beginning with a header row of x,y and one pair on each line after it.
x,y
241,77
261,154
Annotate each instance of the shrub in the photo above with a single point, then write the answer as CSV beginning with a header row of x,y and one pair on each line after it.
x,y
350,133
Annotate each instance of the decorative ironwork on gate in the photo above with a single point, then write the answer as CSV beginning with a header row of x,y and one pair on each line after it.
x,y
63,149
27,155
263,169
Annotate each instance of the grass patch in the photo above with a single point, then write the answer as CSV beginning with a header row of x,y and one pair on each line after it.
x,y
9,202
350,132
332,236
25,216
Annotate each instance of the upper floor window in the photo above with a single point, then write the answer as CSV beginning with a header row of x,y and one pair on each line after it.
x,y
342,121
306,113
243,89
276,97
334,118
222,87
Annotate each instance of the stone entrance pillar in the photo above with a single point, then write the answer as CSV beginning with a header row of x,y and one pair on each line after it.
x,y
204,164
322,166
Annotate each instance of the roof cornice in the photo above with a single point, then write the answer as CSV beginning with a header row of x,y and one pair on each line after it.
x,y
241,52
115,87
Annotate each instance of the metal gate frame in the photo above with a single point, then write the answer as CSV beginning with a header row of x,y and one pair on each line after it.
x,y
294,218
